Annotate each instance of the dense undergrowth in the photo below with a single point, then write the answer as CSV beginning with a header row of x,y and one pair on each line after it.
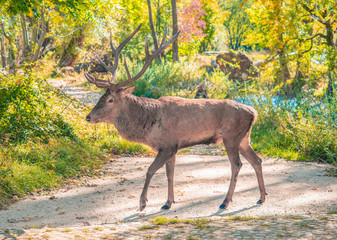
x,y
44,139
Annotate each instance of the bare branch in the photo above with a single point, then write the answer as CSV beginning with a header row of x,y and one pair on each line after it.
x,y
3,30
311,11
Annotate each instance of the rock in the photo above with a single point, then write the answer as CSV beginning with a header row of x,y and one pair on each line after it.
x,y
68,70
237,66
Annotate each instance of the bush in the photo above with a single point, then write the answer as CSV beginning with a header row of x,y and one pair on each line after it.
x,y
25,112
298,129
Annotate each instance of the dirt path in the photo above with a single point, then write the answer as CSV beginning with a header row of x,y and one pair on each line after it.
x,y
94,209
200,185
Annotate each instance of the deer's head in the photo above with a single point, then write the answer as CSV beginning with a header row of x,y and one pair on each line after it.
x,y
110,103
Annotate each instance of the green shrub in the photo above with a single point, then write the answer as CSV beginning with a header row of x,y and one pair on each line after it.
x,y
301,129
25,112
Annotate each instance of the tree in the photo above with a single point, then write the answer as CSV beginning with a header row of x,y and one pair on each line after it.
x,y
236,22
175,53
192,26
213,19
33,21
70,54
153,31
3,52
324,12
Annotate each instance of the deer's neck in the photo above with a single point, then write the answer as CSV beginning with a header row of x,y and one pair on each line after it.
x,y
136,118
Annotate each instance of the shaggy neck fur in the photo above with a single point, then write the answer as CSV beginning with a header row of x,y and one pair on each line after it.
x,y
136,118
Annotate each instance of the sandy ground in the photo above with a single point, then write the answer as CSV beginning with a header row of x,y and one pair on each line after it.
x,y
201,182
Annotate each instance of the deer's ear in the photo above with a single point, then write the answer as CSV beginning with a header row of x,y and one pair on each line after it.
x,y
128,90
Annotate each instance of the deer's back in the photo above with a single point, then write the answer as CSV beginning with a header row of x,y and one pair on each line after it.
x,y
186,122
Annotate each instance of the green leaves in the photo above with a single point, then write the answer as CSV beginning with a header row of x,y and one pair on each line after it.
x,y
26,111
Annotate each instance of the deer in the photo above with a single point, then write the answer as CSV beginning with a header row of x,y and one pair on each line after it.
x,y
169,123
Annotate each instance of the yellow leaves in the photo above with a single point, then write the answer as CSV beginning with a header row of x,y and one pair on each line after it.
x,y
226,14
180,192
30,13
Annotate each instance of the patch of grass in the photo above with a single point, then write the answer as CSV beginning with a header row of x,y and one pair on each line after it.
x,y
303,224
168,237
239,218
295,217
160,220
98,228
198,223
190,237
332,212
174,221
146,227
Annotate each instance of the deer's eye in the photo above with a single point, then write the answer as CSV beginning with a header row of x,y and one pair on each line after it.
x,y
110,101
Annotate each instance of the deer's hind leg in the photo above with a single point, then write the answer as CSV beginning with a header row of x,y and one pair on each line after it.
x,y
250,155
234,159
170,175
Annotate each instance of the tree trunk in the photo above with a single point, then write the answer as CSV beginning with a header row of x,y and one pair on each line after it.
x,y
11,57
43,26
26,47
70,55
153,31
175,53
332,59
3,52
284,73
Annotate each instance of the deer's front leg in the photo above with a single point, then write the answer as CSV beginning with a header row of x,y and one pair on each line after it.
x,y
170,175
162,157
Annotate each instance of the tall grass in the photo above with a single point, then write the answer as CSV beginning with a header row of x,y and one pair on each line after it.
x,y
297,129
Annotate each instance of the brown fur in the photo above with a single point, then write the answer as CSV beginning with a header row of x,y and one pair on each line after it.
x,y
171,123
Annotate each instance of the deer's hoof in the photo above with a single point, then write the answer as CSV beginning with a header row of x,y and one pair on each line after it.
x,y
259,202
141,208
165,207
223,206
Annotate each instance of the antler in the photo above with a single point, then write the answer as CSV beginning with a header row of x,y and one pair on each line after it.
x,y
148,59
110,83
